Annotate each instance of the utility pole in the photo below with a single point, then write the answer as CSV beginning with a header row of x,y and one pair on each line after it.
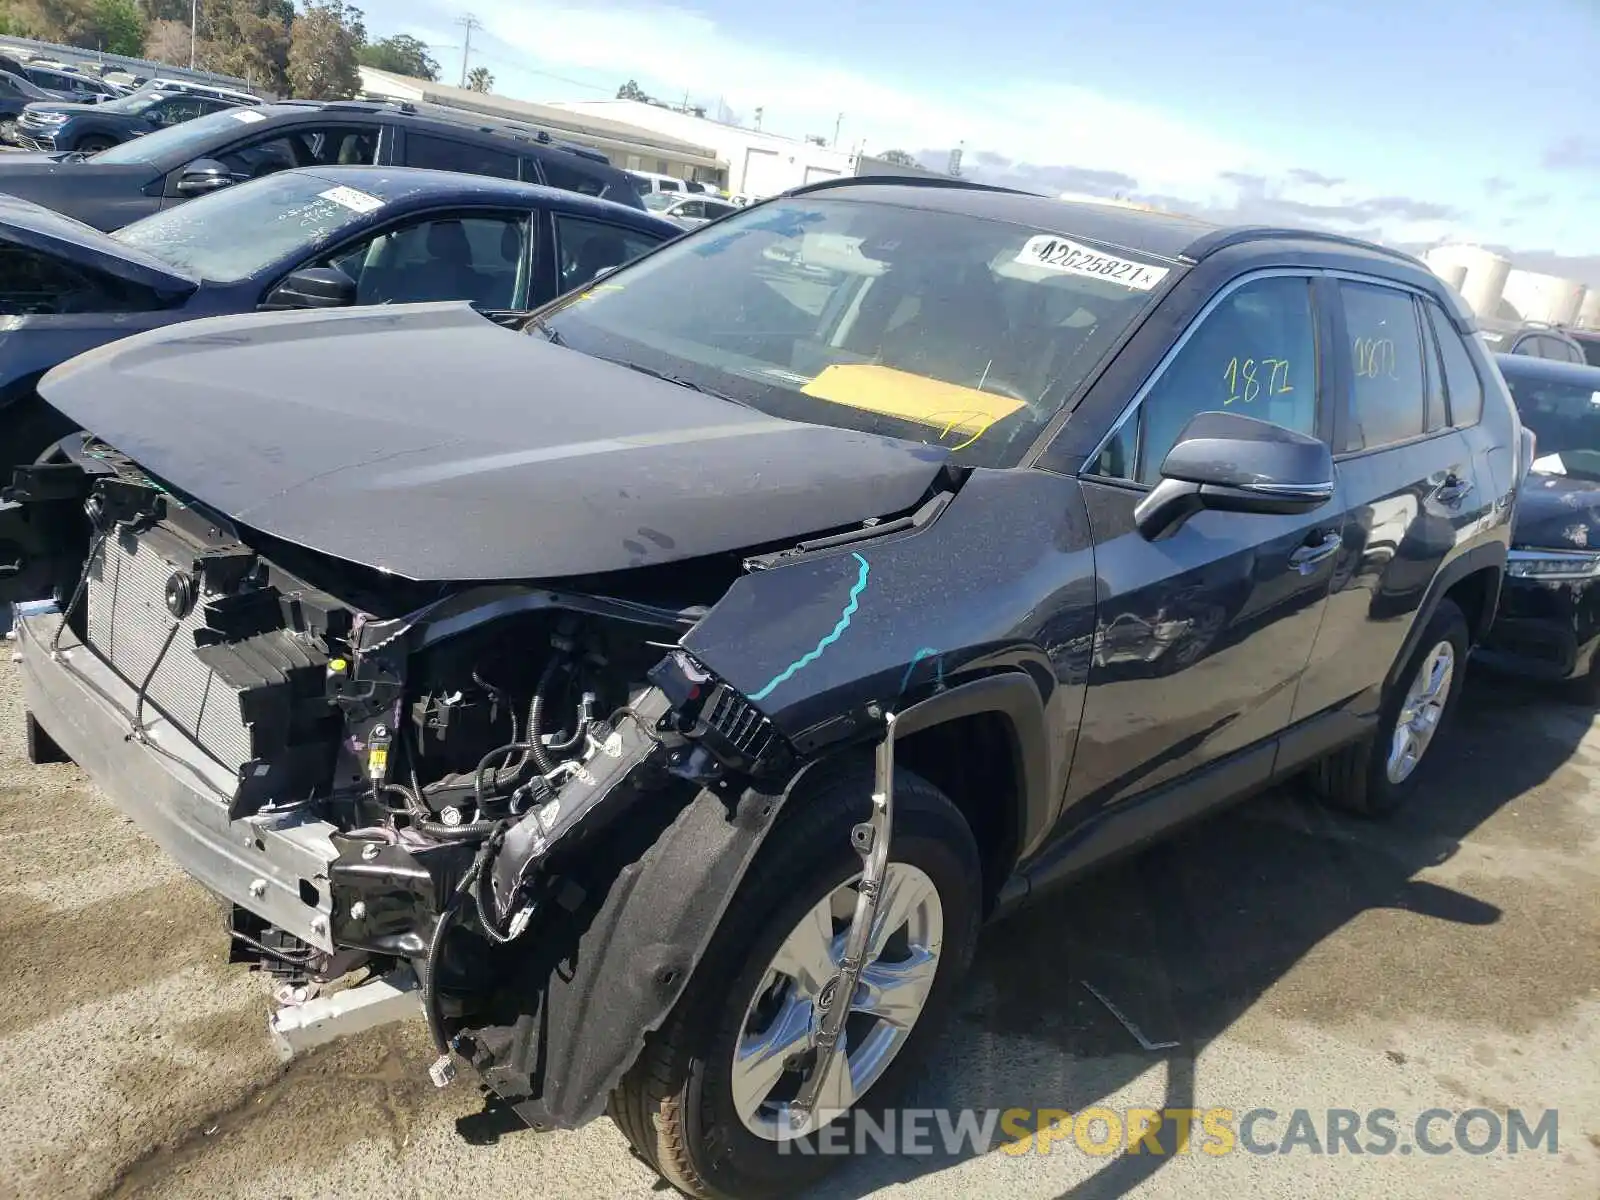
x,y
194,26
469,23
836,125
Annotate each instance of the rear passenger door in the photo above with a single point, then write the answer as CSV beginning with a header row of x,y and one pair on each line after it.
x,y
1406,480
585,246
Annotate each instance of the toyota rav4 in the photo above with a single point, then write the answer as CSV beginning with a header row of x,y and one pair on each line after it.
x,y
660,697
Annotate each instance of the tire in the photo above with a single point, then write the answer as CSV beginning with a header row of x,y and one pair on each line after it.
x,y
93,145
1358,778
676,1104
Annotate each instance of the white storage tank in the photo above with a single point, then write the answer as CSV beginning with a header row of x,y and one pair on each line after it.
x,y
1482,274
1589,310
1547,298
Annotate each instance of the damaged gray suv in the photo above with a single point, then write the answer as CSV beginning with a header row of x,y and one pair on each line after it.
x,y
660,696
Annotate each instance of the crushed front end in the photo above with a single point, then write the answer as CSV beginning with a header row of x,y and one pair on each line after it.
x,y
410,794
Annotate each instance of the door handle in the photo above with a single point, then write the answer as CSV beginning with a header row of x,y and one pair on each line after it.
x,y
1453,490
1306,559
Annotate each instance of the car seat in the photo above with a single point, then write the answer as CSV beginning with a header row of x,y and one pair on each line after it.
x,y
600,251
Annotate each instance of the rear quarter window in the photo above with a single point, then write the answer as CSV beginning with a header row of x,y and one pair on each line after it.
x,y
1460,376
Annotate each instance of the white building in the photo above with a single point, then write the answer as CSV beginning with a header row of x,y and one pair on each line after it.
x,y
754,164
629,146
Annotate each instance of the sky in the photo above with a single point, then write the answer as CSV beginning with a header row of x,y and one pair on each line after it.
x,y
1411,121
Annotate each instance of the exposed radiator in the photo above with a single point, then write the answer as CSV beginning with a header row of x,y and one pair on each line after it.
x,y
129,624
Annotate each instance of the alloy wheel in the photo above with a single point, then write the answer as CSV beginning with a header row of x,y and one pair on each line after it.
x,y
776,1050
1421,712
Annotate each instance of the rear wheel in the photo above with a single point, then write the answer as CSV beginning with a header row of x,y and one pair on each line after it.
x,y
1374,777
706,1103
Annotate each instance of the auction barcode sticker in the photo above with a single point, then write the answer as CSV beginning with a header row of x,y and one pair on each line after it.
x,y
353,200
1055,253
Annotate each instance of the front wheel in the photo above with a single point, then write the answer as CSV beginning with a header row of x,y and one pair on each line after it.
x,y
706,1103
1375,776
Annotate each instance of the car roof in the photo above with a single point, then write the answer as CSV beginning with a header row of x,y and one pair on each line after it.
x,y
1550,370
453,120
394,184
1168,235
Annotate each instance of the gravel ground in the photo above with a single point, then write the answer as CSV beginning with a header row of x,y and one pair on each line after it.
x,y
1449,959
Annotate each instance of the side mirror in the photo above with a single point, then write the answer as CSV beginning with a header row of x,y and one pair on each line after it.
x,y
202,176
314,287
1231,463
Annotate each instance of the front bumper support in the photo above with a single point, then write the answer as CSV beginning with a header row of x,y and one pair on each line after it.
x,y
275,866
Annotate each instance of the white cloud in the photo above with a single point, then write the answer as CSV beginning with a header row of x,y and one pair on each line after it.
x,y
671,50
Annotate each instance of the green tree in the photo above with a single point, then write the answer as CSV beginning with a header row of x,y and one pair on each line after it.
x,y
402,54
119,26
248,38
480,79
322,50
898,157
632,91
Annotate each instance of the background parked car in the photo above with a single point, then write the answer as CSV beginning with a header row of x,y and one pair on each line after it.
x,y
688,211
299,239
16,93
1538,341
1549,622
91,128
172,165
73,84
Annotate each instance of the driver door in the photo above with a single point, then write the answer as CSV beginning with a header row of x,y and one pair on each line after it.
x,y
486,257
1202,636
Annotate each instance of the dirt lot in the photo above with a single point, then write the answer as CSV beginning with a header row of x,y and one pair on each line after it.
x,y
1450,959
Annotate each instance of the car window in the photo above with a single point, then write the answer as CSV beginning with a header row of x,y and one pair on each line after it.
x,y
945,328
1436,410
691,208
1387,390
1569,352
306,146
715,210
585,248
1565,419
571,179
478,258
1591,350
1254,353
179,108
1461,379
447,154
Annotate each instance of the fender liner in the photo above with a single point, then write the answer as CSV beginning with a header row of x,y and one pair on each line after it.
x,y
1490,556
592,1009
1015,697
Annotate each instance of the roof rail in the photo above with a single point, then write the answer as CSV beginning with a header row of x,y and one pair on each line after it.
x,y
1220,239
822,185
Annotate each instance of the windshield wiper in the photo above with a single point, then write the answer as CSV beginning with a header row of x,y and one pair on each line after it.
x,y
551,334
680,381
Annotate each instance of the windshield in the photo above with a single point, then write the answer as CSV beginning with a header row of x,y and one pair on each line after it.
x,y
237,233
1565,418
937,327
133,104
187,140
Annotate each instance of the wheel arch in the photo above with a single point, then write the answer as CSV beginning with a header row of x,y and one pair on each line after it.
x,y
1472,582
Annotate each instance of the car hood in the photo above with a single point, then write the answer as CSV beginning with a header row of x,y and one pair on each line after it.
x,y
427,442
1555,512
71,108
34,227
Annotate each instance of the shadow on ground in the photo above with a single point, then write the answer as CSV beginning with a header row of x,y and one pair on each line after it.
x,y
1190,934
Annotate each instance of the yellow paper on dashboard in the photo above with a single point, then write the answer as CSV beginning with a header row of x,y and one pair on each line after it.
x,y
947,406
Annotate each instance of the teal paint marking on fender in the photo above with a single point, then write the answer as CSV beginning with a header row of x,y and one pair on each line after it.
x,y
811,656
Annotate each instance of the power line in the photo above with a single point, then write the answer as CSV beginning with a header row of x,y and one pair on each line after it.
x,y
469,23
